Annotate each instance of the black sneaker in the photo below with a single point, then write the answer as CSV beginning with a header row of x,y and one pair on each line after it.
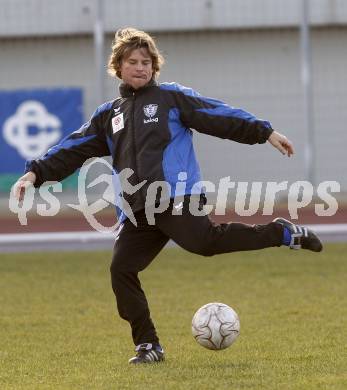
x,y
301,237
148,353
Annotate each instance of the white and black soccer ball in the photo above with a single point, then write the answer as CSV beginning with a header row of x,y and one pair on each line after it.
x,y
215,326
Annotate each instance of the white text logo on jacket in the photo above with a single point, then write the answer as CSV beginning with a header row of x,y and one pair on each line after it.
x,y
150,110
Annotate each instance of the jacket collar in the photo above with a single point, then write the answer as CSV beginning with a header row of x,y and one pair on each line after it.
x,y
127,90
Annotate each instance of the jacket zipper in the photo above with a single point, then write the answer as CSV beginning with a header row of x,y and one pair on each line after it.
x,y
134,147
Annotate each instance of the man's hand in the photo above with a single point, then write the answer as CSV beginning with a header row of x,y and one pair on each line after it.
x,y
281,143
22,184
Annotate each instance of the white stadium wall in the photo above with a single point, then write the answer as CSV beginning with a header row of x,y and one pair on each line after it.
x,y
52,17
248,59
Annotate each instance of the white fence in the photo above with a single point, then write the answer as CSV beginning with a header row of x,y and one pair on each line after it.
x,y
87,240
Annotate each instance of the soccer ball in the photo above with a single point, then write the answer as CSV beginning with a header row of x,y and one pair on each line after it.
x,y
215,326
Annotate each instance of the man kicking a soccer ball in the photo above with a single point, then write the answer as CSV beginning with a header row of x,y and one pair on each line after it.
x,y
147,129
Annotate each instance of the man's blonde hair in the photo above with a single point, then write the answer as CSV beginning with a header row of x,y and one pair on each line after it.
x,y
125,41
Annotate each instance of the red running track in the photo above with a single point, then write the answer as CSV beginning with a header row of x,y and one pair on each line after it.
x,y
77,222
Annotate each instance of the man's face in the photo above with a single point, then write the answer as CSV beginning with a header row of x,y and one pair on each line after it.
x,y
136,69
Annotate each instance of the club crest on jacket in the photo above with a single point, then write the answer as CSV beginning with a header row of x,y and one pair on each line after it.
x,y
150,110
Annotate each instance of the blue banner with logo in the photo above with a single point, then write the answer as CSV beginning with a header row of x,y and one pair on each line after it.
x,y
31,121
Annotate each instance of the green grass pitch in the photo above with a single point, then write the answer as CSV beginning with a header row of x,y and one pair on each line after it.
x,y
59,330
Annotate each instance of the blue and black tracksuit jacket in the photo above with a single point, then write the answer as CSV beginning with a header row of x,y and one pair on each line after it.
x,y
149,131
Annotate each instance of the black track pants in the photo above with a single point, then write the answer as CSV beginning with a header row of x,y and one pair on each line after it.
x,y
137,246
